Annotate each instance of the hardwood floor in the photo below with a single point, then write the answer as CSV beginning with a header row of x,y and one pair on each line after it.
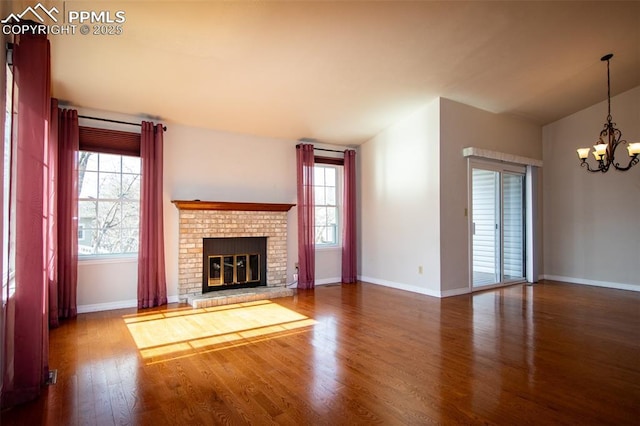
x,y
355,354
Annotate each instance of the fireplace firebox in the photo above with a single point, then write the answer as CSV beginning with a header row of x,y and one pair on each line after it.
x,y
238,262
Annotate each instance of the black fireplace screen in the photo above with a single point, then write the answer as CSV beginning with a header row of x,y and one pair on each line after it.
x,y
233,263
236,269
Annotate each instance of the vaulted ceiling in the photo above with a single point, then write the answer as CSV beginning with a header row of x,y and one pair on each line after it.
x,y
340,72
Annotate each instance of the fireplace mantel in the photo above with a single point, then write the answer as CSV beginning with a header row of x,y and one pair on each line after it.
x,y
227,205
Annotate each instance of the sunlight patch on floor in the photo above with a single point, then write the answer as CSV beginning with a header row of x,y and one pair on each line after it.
x,y
183,332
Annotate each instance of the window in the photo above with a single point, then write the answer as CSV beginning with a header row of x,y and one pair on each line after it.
x,y
8,194
326,187
108,204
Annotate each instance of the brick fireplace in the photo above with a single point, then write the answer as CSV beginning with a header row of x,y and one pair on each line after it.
x,y
212,219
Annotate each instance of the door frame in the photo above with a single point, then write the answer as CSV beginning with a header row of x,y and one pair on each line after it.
x,y
499,167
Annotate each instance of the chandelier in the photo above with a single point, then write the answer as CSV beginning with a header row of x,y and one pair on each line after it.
x,y
610,137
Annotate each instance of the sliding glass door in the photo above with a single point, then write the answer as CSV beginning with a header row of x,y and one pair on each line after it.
x,y
497,224
484,227
513,227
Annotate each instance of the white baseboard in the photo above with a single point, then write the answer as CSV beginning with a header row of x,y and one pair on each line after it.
x,y
455,292
399,286
326,281
121,304
583,281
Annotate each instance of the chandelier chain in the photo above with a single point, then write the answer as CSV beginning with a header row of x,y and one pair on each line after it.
x,y
608,93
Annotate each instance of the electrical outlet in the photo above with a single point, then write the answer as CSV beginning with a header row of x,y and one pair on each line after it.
x,y
420,269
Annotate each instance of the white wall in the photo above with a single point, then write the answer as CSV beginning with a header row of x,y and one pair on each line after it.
x,y
399,204
413,193
211,166
216,166
463,126
592,232
107,284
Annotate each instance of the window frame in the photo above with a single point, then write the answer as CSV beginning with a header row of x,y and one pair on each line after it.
x,y
336,164
108,257
8,189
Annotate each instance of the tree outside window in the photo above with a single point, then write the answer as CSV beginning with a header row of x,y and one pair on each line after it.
x,y
108,204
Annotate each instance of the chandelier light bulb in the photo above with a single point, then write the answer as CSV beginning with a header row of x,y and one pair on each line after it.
x,y
601,148
634,148
583,153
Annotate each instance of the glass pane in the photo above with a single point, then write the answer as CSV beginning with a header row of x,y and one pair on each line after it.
x,y
88,184
129,240
228,270
130,164
318,176
329,235
88,161
241,268
321,216
215,268
331,195
319,197
485,220
513,226
87,213
131,187
130,214
108,241
110,163
333,229
254,267
87,243
108,214
109,186
330,176
332,215
325,234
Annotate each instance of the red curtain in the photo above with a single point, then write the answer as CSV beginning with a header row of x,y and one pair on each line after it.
x,y
63,302
349,252
152,283
306,221
26,345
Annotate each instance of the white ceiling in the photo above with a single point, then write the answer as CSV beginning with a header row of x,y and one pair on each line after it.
x,y
340,72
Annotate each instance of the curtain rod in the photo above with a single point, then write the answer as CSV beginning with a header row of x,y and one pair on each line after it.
x,y
308,140
328,150
115,121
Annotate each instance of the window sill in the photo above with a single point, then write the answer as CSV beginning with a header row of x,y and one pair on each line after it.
x,y
329,248
100,260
